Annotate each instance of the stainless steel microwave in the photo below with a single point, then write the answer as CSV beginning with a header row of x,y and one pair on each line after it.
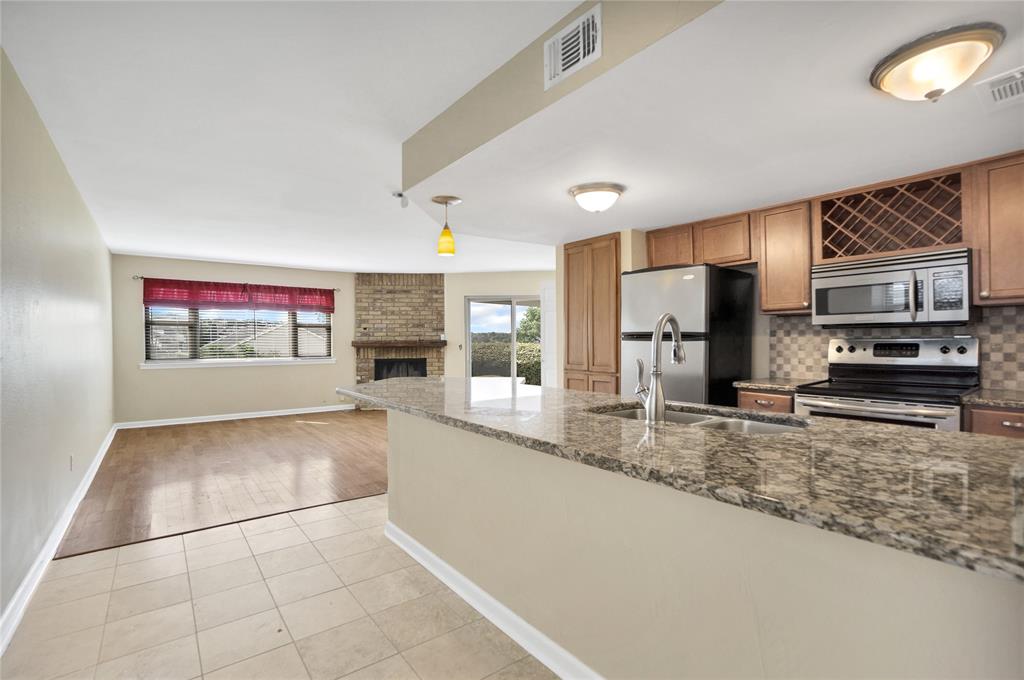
x,y
902,290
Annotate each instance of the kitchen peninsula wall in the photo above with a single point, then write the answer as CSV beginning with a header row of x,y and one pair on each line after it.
x,y
798,350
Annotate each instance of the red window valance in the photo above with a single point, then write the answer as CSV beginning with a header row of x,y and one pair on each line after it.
x,y
214,294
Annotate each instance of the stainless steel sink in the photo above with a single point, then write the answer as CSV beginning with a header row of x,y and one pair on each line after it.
x,y
670,416
745,426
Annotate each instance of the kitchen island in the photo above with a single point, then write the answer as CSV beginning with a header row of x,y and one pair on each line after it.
x,y
835,549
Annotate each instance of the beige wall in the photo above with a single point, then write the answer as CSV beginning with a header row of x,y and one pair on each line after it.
x,y
459,286
56,395
652,582
150,394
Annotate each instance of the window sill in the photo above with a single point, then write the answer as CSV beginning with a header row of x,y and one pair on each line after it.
x,y
224,363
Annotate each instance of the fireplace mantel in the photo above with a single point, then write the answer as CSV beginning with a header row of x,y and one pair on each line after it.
x,y
399,343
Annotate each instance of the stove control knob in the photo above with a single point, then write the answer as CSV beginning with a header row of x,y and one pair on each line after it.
x,y
961,350
944,349
839,349
851,348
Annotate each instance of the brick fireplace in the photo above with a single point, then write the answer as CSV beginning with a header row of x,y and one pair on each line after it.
x,y
399,316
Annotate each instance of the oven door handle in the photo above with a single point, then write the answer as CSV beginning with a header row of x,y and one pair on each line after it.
x,y
912,295
874,409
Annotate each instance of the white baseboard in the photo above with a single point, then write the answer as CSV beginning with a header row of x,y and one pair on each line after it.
x,y
19,602
234,416
546,650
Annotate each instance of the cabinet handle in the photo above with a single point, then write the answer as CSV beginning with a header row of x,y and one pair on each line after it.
x,y
984,294
1010,423
769,402
806,303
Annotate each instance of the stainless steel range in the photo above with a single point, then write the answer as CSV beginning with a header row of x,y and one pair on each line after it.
x,y
913,381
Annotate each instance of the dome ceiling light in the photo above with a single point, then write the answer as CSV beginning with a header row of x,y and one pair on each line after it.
x,y
937,63
596,196
446,241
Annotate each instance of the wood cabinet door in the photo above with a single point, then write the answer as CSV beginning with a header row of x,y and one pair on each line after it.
x,y
577,381
722,241
577,306
993,421
765,401
785,262
604,383
604,305
670,246
997,228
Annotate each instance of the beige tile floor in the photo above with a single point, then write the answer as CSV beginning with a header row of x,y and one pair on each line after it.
x,y
318,594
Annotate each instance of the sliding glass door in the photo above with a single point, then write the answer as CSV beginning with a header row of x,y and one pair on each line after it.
x,y
503,338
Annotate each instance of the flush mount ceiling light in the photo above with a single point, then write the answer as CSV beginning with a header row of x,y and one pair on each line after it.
x,y
446,241
596,196
932,65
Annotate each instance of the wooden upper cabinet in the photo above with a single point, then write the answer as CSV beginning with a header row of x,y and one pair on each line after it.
x,y
604,305
722,241
592,313
785,258
995,225
670,246
577,307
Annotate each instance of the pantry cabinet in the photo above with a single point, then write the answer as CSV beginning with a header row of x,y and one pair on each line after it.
x,y
785,258
995,218
592,314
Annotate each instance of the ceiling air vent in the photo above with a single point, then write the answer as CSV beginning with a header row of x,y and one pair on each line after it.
x,y
1002,90
572,48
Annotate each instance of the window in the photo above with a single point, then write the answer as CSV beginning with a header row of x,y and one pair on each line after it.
x,y
194,320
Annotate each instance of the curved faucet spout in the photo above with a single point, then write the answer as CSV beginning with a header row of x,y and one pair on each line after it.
x,y
654,404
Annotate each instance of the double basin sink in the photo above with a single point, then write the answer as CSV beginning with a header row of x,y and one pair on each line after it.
x,y
707,422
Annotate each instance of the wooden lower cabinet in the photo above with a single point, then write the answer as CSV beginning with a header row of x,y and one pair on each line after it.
x,y
785,261
575,380
765,401
994,217
1001,422
606,383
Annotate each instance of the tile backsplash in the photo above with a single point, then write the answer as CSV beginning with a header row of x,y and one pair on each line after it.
x,y
798,350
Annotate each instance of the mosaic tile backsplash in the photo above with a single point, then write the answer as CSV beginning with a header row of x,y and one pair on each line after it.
x,y
798,349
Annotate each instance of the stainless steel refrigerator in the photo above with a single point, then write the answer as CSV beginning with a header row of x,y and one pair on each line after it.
x,y
714,307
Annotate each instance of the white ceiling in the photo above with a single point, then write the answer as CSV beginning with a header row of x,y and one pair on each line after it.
x,y
265,132
754,103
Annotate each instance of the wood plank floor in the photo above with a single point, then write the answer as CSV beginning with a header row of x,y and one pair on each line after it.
x,y
161,481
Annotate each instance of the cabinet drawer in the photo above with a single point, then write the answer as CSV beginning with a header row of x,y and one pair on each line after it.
x,y
765,401
1003,423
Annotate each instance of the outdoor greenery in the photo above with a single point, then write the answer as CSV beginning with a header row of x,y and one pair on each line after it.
x,y
492,351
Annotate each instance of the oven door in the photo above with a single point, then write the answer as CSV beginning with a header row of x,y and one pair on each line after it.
x,y
928,416
894,297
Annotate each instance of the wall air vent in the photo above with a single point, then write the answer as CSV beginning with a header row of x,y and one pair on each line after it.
x,y
1003,90
572,48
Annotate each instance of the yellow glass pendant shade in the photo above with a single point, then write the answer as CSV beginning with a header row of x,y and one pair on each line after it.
x,y
446,242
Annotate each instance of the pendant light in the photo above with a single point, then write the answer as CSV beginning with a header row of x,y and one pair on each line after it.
x,y
446,241
932,65
596,196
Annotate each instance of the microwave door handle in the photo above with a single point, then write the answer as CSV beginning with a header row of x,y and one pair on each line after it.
x,y
873,409
912,295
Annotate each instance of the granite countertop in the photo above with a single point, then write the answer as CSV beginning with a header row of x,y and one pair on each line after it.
x,y
999,398
784,384
955,497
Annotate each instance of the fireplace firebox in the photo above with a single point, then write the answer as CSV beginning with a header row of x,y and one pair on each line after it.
x,y
399,368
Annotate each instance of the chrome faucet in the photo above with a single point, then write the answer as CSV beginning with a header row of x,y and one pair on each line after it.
x,y
654,396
